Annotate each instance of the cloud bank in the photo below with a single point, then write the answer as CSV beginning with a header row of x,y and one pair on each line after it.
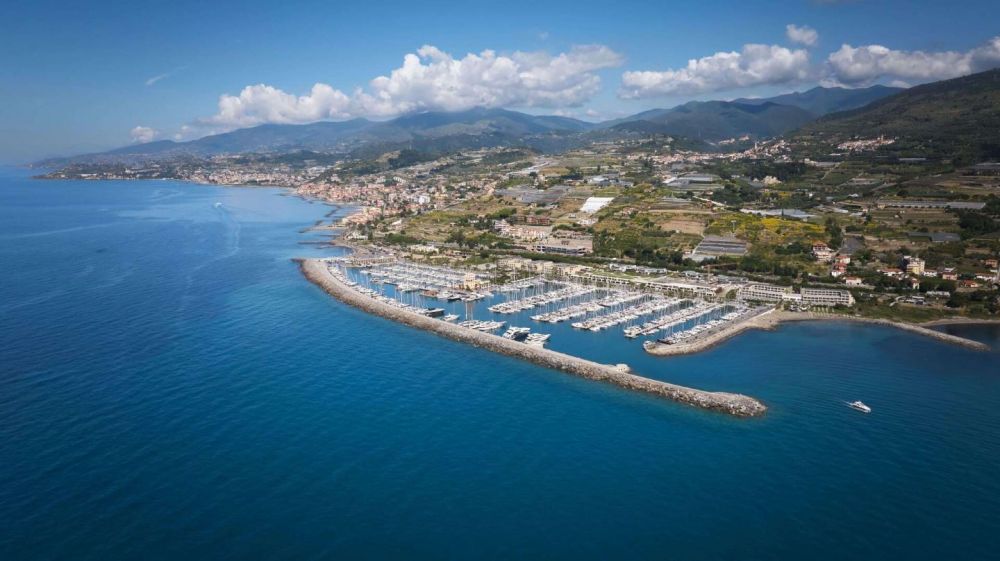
x,y
863,65
774,65
754,65
430,79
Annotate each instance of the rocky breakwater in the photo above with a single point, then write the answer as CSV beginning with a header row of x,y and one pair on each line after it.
x,y
734,404
771,320
913,328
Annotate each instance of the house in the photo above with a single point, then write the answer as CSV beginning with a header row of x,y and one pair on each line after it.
x,y
852,281
822,252
425,249
914,265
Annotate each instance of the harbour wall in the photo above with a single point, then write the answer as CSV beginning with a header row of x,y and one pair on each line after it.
x,y
733,404
919,330
771,320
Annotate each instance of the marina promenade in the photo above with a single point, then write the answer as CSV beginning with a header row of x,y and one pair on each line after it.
x,y
317,271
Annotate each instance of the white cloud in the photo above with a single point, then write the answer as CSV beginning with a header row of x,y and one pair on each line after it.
x,y
430,79
142,135
154,79
157,78
803,35
266,104
754,65
863,65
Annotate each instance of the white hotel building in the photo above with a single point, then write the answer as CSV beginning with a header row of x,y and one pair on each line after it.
x,y
823,297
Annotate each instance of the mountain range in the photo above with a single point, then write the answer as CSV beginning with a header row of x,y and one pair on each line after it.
x,y
441,131
818,112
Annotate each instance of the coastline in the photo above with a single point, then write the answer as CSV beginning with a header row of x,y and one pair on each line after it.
x,y
771,320
733,404
960,321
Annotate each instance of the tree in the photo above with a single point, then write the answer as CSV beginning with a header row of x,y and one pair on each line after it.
x,y
835,232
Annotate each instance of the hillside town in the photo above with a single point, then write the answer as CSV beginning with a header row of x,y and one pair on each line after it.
x,y
905,238
890,241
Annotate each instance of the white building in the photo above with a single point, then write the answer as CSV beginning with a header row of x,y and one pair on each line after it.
x,y
914,265
764,293
826,297
594,204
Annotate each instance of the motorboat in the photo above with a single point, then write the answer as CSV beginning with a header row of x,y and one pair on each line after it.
x,y
859,406
517,333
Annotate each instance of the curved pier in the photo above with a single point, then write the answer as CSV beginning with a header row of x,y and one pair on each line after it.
x,y
734,404
770,320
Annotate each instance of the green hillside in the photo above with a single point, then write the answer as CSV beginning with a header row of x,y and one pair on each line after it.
x,y
958,118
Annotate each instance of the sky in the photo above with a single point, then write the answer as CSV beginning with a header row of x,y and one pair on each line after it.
x,y
79,77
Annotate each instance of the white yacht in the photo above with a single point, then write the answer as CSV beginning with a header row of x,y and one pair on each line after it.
x,y
859,406
517,333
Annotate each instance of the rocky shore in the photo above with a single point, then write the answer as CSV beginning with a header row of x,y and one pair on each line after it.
x,y
734,404
771,320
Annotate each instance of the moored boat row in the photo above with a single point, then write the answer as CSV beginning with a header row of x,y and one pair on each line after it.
x,y
514,306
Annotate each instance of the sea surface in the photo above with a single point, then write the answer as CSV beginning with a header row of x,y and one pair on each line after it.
x,y
172,388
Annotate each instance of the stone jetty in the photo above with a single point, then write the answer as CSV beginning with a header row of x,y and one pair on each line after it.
x,y
316,270
770,320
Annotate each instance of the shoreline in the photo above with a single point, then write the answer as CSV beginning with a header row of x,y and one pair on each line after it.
x,y
771,320
733,404
960,321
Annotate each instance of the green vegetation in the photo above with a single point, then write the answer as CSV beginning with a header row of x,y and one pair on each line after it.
x,y
953,119
408,157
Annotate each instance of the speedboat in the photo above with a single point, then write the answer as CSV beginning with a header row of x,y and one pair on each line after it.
x,y
517,333
857,405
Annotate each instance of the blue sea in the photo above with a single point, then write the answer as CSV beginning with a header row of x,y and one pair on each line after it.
x,y
172,388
